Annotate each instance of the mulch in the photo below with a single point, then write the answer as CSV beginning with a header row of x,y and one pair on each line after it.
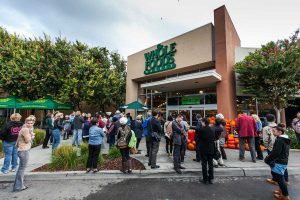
x,y
114,164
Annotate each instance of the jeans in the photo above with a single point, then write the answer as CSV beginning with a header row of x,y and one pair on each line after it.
x,y
153,152
77,137
66,134
169,142
281,182
10,156
92,160
125,154
19,181
207,160
56,138
242,147
257,148
47,137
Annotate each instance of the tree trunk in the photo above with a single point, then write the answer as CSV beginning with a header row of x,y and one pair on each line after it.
x,y
278,115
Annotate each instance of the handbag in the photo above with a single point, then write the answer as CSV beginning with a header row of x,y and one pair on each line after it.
x,y
155,135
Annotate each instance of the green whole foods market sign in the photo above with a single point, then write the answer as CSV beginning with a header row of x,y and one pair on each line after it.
x,y
190,100
160,59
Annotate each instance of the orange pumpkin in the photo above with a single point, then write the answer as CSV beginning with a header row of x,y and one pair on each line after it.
x,y
230,137
231,146
231,142
247,147
225,145
233,123
236,140
238,146
262,148
191,147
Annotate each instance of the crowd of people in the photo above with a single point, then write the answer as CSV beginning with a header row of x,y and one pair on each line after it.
x,y
126,134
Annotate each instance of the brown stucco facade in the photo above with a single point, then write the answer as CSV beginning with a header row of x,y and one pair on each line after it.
x,y
204,60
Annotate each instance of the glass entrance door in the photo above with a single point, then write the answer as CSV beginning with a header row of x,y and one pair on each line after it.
x,y
189,113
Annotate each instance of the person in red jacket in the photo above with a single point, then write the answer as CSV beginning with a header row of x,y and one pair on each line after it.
x,y
246,128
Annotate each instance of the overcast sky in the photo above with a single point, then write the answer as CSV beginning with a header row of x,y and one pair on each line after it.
x,y
129,26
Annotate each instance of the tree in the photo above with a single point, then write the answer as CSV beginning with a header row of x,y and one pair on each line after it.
x,y
272,73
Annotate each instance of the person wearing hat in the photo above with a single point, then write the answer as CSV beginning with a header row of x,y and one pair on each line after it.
x,y
123,139
278,161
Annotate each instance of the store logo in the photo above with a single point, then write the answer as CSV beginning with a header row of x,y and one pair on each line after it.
x,y
160,59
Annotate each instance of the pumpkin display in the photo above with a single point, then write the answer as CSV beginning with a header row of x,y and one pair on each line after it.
x,y
225,145
231,146
231,142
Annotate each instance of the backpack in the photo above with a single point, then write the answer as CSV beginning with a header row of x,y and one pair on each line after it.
x,y
122,141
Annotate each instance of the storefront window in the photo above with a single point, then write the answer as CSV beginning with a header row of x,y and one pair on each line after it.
x,y
210,99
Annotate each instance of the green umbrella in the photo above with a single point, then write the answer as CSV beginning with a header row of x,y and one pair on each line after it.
x,y
45,103
9,102
135,105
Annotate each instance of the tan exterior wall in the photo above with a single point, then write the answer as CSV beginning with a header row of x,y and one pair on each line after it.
x,y
226,41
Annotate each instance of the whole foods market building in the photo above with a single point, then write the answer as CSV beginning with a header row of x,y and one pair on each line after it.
x,y
191,73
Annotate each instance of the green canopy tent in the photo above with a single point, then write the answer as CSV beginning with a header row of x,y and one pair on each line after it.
x,y
9,102
135,106
47,103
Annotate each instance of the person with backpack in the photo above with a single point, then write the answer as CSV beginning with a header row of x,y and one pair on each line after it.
x,y
9,136
154,134
179,142
296,126
123,139
147,136
218,131
138,129
278,161
257,137
168,135
268,137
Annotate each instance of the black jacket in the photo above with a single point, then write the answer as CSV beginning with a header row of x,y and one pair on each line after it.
x,y
218,130
154,126
206,139
58,124
280,152
10,131
78,122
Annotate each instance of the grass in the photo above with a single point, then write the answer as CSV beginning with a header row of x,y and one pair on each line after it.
x,y
39,137
113,153
66,158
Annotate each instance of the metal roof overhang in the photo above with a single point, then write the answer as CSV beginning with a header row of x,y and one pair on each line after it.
x,y
189,81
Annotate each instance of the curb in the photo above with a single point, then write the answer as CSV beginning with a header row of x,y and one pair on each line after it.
x,y
162,173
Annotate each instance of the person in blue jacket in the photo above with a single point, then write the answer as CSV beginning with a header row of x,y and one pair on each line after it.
x,y
145,127
96,135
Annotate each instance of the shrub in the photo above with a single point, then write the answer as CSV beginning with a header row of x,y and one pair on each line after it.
x,y
113,153
39,137
65,157
292,135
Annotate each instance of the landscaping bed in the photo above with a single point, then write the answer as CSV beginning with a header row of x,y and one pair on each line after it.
x,y
68,158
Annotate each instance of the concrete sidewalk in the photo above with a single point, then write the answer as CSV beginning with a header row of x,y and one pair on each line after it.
x,y
233,167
